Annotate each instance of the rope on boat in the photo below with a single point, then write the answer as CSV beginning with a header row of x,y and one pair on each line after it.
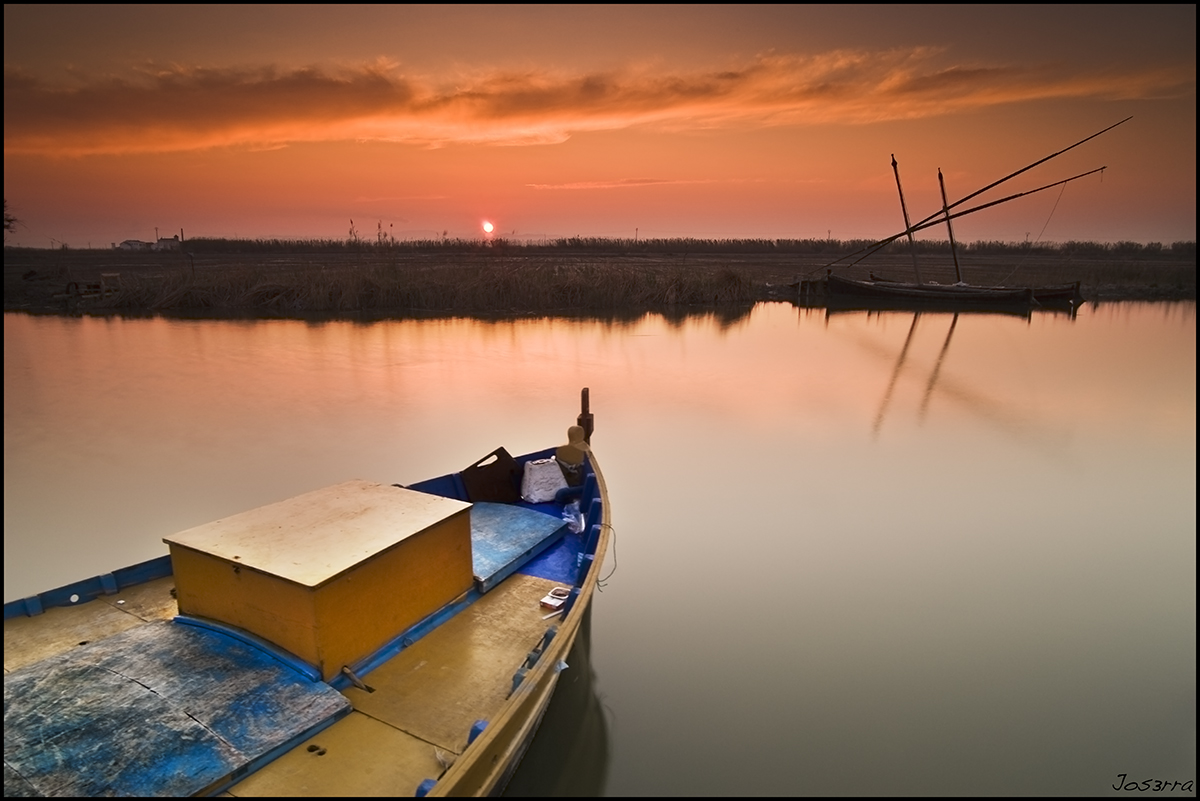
x,y
1039,236
600,583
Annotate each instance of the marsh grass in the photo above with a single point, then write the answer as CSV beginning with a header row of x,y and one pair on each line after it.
x,y
505,284
577,276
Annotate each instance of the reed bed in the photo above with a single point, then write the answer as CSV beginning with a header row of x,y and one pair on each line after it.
x,y
578,276
517,285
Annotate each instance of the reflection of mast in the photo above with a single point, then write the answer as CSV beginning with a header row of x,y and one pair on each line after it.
x,y
895,374
1021,428
937,368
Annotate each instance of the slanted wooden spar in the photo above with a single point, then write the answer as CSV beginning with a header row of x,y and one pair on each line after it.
x,y
932,218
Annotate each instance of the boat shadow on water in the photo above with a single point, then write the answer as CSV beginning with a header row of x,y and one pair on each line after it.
x,y
570,755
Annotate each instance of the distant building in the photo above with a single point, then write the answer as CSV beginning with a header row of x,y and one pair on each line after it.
x,y
135,244
173,243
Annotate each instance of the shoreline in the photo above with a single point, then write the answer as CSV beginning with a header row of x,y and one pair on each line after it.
x,y
612,282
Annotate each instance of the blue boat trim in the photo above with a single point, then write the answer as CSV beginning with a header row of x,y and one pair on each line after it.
x,y
557,561
405,639
555,558
593,540
289,660
79,592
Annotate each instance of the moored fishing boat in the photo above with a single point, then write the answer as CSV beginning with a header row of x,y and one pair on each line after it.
x,y
362,639
841,291
1058,296
882,293
1048,296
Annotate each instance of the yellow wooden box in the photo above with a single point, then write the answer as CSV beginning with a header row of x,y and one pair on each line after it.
x,y
330,575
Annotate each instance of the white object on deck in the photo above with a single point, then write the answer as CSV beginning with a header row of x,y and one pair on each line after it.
x,y
542,480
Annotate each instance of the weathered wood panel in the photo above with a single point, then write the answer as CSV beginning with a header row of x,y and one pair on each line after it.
x,y
503,538
162,709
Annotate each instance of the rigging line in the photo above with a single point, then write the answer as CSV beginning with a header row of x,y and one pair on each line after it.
x,y
933,217
1040,234
976,193
876,246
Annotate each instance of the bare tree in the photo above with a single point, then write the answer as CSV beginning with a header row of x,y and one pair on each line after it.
x,y
10,222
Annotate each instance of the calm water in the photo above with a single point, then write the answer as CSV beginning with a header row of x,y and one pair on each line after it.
x,y
854,555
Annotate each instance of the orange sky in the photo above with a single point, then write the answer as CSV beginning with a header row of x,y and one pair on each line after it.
x,y
671,121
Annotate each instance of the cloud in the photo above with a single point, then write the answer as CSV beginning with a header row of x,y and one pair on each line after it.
x,y
619,184
178,108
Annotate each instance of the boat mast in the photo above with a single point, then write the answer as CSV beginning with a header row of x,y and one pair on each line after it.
x,y
925,223
949,228
912,243
929,222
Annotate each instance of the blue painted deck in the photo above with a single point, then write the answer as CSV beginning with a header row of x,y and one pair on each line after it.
x,y
162,709
505,537
559,561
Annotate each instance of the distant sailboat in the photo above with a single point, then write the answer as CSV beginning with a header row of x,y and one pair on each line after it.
x,y
884,293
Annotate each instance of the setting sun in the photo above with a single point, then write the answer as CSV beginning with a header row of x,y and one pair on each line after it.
x,y
773,122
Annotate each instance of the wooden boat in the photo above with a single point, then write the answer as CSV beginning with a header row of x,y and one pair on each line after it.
x,y
878,293
1056,296
841,291
362,639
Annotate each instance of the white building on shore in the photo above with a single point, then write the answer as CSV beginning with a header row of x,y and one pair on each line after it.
x,y
174,243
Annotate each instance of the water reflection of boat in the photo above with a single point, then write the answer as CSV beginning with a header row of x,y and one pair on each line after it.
x,y
1015,425
362,639
569,757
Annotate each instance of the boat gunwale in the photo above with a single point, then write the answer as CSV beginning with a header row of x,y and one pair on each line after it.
x,y
459,778
90,589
